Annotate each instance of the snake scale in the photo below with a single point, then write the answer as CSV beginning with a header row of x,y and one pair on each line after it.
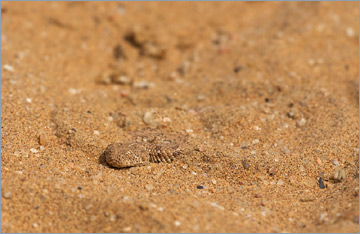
x,y
132,154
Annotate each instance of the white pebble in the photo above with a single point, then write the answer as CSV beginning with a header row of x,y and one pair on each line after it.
x,y
189,130
9,68
144,84
149,117
7,195
33,150
213,181
280,182
112,218
166,119
350,32
96,132
301,122
177,223
149,187
257,128
28,100
160,209
35,225
255,141
74,91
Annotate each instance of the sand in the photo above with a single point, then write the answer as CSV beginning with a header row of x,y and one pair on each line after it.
x,y
262,97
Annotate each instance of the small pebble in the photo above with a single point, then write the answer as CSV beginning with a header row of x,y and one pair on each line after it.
x,y
280,182
321,183
127,229
43,139
177,223
213,181
271,171
122,80
149,117
189,130
245,164
74,91
350,32
35,225
149,187
28,100
301,122
33,150
237,69
144,85
96,132
9,68
335,162
7,195
112,218
255,141
339,174
199,187
257,128
318,161
166,119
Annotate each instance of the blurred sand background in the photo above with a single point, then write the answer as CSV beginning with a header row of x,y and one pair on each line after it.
x,y
263,96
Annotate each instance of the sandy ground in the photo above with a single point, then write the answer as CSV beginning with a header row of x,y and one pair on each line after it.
x,y
262,97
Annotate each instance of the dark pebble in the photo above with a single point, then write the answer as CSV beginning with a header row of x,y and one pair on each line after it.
x,y
267,100
321,183
79,187
245,164
237,69
200,187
